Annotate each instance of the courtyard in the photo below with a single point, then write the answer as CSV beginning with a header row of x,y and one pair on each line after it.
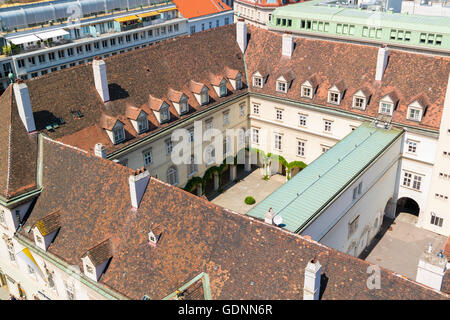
x,y
251,185
400,244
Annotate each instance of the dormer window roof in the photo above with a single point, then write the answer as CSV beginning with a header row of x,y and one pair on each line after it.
x,y
336,92
155,234
114,127
235,77
200,91
46,228
219,84
160,109
308,87
179,100
388,103
96,259
361,98
284,82
259,77
138,118
416,109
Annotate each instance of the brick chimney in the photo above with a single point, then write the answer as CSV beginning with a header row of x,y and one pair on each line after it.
x,y
100,150
382,59
288,45
311,287
241,35
138,184
23,102
100,79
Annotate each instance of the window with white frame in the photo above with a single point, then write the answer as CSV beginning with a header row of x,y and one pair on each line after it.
x,y
119,134
165,114
191,135
300,148
325,149
279,114
386,108
256,108
172,175
226,145
184,107
412,146
255,135
204,96
257,82
142,123
277,141
353,226
226,118
70,291
327,125
148,157
241,109
238,82
333,97
359,102
437,221
192,167
281,86
169,146
208,124
223,89
306,92
11,252
414,114
241,139
411,180
302,120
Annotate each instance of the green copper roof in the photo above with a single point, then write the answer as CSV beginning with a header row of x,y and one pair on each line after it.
x,y
309,10
306,194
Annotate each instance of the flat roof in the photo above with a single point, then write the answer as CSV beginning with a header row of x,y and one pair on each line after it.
x,y
311,10
306,194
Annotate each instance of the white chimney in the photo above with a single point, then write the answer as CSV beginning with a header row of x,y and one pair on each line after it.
x,y
24,105
383,54
288,45
100,79
241,35
313,273
431,270
138,184
100,150
268,217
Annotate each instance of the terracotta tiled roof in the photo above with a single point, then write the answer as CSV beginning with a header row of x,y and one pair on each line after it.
x,y
133,112
155,103
236,251
231,73
18,156
198,8
108,122
215,79
49,223
409,74
174,95
196,87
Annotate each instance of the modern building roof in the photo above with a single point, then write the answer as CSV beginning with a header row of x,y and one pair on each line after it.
x,y
270,3
306,194
199,8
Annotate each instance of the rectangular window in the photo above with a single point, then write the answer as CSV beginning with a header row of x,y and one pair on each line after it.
x,y
279,114
208,124
281,86
257,82
414,114
11,252
255,108
31,60
118,135
386,108
226,118
70,52
41,58
277,142
333,97
21,63
417,182
88,47
407,179
327,125
302,120
242,110
359,103
301,148
306,92
437,221
69,291
353,226
191,135
169,146
61,54
412,146
148,159
255,136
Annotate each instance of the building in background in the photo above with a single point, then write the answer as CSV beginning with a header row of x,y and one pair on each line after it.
x,y
426,7
45,37
202,15
258,13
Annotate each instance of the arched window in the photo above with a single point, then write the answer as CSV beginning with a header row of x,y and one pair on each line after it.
x,y
172,175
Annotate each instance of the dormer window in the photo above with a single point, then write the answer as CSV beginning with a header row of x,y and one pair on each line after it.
x,y
386,108
414,114
281,86
184,107
334,97
164,113
257,82
223,88
119,134
306,92
238,82
89,269
359,102
142,123
154,235
205,96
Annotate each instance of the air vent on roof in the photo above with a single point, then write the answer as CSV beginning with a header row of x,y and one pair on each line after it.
x,y
77,114
55,125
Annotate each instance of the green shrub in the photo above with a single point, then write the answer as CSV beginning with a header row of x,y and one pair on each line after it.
x,y
250,200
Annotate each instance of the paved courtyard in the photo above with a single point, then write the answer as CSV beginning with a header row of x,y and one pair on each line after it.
x,y
252,185
401,246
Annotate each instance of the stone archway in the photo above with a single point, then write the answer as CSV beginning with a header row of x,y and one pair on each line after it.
x,y
407,209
